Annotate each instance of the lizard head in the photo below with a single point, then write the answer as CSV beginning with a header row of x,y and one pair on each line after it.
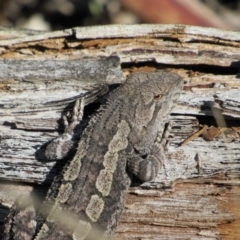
x,y
151,95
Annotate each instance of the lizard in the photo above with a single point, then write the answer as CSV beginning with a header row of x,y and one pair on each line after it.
x,y
122,139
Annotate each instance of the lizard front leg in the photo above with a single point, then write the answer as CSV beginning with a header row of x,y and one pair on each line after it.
x,y
147,167
62,145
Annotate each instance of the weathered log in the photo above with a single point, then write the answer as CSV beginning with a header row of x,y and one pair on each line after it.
x,y
196,195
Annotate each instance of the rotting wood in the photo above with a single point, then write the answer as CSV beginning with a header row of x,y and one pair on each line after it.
x,y
199,197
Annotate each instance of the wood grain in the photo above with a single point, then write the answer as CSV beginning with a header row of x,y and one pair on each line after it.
x,y
199,197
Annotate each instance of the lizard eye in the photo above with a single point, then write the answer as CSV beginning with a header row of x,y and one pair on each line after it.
x,y
157,97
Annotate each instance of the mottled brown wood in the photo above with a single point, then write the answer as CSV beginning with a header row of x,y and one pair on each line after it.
x,y
199,197
191,210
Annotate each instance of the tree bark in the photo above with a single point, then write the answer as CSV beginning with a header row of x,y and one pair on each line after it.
x,y
197,194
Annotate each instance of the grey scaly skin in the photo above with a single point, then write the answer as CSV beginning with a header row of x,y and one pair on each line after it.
x,y
87,199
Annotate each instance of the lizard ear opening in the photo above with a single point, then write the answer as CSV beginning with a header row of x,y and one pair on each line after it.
x,y
158,97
